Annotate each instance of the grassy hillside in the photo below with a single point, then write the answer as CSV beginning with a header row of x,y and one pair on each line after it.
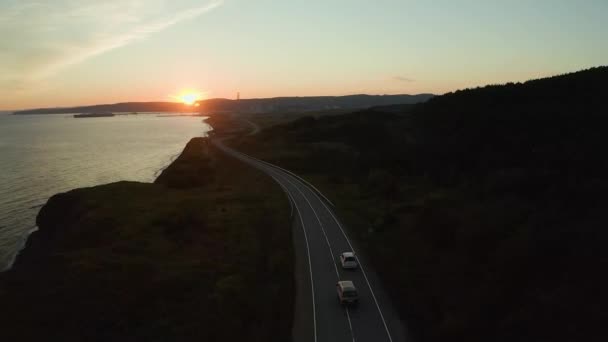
x,y
483,210
197,256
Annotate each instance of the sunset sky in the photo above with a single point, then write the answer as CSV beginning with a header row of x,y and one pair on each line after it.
x,y
73,52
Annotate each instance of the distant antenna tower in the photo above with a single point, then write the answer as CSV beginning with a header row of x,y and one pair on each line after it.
x,y
238,96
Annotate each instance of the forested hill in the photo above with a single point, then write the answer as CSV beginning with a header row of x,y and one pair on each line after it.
x,y
555,123
284,104
587,85
493,200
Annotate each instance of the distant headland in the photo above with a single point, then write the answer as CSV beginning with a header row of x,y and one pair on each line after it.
x,y
276,104
126,107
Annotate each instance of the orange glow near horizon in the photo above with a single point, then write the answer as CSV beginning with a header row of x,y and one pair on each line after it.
x,y
189,97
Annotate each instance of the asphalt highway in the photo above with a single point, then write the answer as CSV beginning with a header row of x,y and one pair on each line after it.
x,y
319,238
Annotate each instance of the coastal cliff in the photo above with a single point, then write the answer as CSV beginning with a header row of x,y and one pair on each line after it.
x,y
196,255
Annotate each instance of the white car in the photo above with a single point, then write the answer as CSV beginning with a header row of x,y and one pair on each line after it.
x,y
348,260
347,293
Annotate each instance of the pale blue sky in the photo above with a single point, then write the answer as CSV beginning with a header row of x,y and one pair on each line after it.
x,y
70,52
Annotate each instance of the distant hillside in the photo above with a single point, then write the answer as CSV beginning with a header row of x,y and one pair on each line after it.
x,y
483,210
304,104
116,107
289,104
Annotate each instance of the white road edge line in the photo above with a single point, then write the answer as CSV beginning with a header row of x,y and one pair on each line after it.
x,y
331,252
312,284
347,241
291,173
351,326
290,200
361,266
307,184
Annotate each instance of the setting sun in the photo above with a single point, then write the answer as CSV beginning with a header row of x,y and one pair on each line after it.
x,y
189,98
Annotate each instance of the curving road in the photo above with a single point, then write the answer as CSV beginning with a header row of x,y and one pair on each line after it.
x,y
319,238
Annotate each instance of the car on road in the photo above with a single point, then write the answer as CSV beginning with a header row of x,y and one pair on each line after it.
x,y
348,260
347,292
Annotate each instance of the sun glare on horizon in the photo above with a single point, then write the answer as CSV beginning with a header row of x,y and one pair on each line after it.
x,y
189,98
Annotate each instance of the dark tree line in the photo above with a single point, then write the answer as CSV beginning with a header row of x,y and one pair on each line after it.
x,y
497,204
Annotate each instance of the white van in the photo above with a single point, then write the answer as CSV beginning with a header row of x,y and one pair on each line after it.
x,y
347,292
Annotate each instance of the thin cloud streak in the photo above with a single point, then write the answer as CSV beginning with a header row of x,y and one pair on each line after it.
x,y
403,79
141,32
40,48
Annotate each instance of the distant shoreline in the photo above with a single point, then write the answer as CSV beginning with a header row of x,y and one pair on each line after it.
x,y
162,113
259,105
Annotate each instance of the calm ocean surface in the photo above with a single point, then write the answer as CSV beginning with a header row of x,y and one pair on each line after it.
x,y
41,155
